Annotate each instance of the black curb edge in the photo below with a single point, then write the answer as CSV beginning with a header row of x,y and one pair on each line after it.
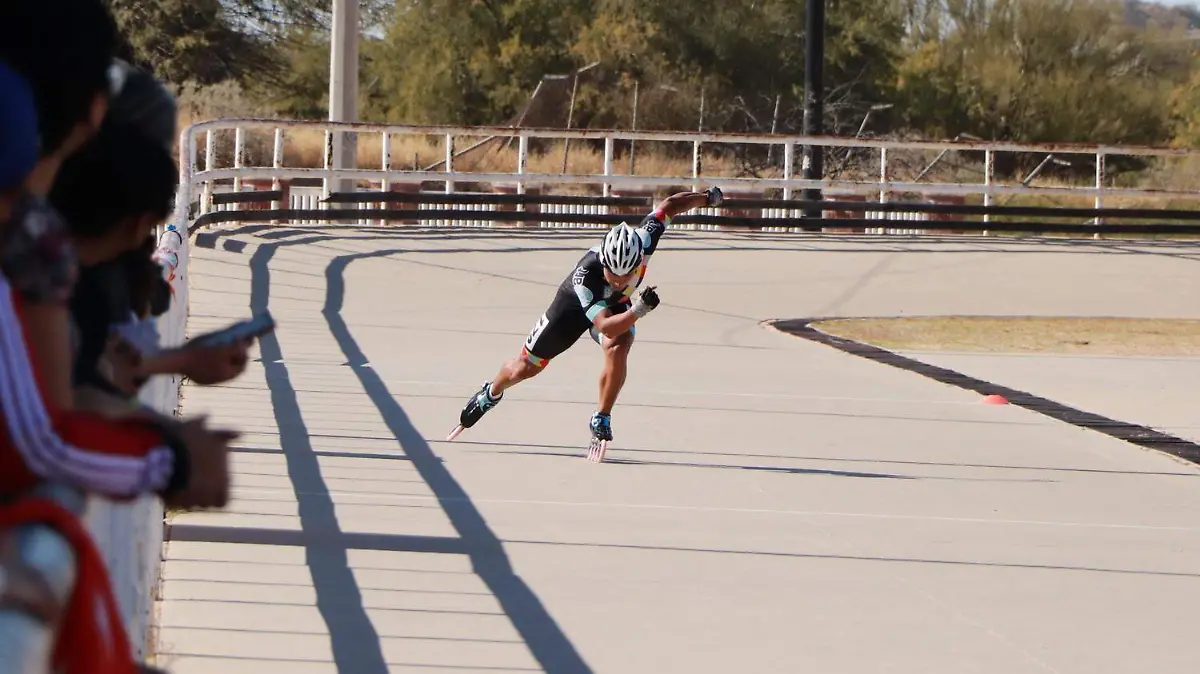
x,y
1132,433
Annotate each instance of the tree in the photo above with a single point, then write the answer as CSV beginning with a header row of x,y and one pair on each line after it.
x,y
191,41
1042,71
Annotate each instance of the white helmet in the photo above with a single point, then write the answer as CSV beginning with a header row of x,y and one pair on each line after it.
x,y
622,250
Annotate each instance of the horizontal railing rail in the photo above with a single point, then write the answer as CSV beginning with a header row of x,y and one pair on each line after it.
x,y
616,181
205,184
519,218
692,136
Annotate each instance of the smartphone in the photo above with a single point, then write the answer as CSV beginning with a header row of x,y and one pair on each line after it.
x,y
254,327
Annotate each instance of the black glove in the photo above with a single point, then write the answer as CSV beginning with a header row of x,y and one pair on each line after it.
x,y
645,302
715,197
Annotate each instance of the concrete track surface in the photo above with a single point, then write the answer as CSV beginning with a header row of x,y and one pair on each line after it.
x,y
769,504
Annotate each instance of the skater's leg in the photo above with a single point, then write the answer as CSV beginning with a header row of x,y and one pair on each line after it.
x,y
551,335
612,378
513,371
488,396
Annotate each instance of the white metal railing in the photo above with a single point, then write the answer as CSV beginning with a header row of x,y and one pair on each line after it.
x,y
129,535
210,178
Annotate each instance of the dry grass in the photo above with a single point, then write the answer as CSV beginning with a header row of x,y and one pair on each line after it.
x,y
305,148
1096,336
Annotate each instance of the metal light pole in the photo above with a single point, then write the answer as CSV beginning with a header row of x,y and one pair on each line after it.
x,y
343,90
814,98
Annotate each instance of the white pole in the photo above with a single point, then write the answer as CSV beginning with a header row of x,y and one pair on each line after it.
x,y
989,174
343,86
789,161
1099,202
210,163
239,149
449,161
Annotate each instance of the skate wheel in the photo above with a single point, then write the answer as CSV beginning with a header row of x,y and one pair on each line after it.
x,y
454,433
596,451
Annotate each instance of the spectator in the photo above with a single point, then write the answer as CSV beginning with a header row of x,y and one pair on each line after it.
x,y
64,49
113,193
55,47
34,602
48,56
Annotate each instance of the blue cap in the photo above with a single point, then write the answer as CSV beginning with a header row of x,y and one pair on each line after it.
x,y
18,128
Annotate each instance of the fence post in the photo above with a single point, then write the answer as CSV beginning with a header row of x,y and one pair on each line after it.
x,y
696,166
210,163
327,183
386,163
277,162
789,160
1099,201
989,179
239,146
522,158
883,176
608,166
449,162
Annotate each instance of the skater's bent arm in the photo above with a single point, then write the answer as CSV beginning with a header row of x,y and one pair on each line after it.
x,y
614,326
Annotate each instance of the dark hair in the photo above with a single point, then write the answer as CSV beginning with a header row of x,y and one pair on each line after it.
x,y
64,49
120,173
144,102
150,294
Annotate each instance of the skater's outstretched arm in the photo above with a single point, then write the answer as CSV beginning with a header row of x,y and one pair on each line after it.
x,y
683,202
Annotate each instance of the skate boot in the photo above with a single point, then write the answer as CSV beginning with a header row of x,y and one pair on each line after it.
x,y
601,426
476,407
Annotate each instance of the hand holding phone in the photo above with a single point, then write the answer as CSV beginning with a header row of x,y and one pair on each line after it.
x,y
244,330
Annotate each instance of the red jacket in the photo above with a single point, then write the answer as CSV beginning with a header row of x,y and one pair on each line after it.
x,y
91,638
118,459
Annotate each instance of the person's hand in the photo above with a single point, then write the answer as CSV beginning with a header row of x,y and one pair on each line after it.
x,y
209,365
123,363
645,301
207,451
715,196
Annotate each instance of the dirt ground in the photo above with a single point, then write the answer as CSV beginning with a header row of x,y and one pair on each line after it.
x,y
1096,336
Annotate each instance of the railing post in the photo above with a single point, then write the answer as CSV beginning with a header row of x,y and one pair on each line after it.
x,y
277,162
327,183
522,158
210,163
188,179
608,167
789,161
239,145
696,166
386,163
449,162
989,179
883,176
187,172
1099,201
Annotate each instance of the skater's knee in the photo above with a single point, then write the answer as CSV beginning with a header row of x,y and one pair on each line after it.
x,y
619,347
524,368
528,369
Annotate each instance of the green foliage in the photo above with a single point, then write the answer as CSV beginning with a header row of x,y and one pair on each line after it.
x,y
1106,71
191,40
1043,71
